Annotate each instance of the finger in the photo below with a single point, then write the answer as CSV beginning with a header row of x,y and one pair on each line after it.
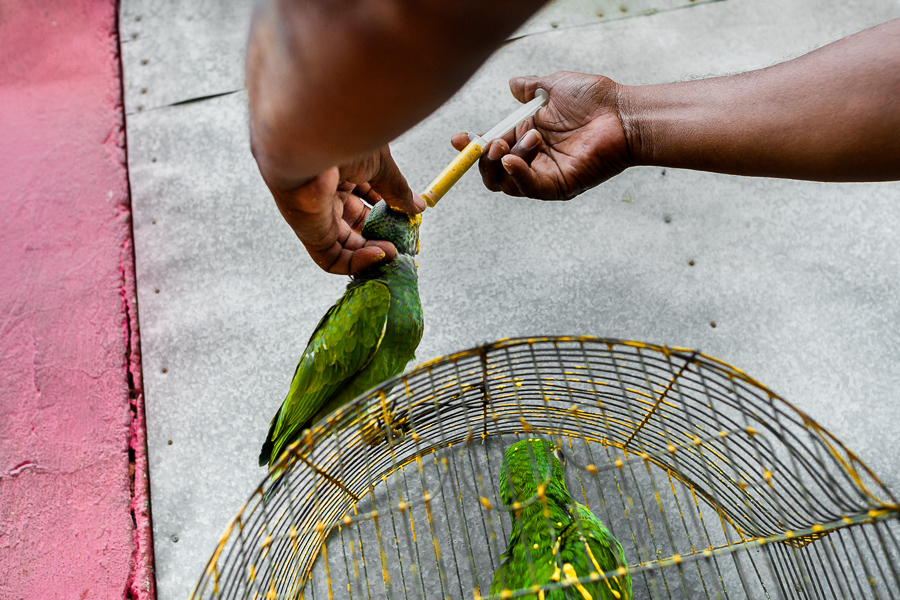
x,y
513,135
334,256
523,128
523,88
370,255
330,260
460,141
351,262
390,251
490,167
367,193
353,256
527,181
390,183
493,172
361,189
527,146
354,215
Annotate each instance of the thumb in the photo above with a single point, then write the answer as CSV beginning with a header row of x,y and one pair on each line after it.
x,y
391,185
523,88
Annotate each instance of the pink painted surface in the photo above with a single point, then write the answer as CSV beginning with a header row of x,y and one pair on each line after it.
x,y
70,401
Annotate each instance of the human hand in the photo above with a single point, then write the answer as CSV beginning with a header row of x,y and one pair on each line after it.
x,y
574,143
327,213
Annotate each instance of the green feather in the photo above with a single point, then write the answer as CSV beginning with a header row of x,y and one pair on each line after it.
x,y
553,539
369,335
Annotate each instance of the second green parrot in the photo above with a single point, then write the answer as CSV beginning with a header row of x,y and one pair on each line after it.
x,y
368,336
553,539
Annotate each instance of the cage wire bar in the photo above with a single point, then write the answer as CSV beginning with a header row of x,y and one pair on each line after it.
x,y
714,485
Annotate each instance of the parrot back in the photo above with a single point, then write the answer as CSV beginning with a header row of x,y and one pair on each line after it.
x,y
583,547
367,336
554,539
402,333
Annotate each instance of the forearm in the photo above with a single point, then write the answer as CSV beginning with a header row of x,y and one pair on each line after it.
x,y
331,80
830,115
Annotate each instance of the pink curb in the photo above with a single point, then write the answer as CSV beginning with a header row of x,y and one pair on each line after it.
x,y
74,490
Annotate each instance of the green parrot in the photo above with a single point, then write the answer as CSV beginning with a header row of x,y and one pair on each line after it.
x,y
553,538
368,336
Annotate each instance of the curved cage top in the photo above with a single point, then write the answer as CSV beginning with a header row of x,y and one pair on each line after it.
x,y
714,485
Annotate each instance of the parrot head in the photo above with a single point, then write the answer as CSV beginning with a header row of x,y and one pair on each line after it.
x,y
399,228
529,464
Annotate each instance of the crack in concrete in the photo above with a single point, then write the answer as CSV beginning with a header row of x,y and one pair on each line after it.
x,y
199,99
141,582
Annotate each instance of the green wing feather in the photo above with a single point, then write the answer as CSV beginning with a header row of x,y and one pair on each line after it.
x,y
344,341
523,567
588,545
582,541
555,541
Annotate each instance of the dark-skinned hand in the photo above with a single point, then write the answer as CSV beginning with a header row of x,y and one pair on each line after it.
x,y
572,144
328,212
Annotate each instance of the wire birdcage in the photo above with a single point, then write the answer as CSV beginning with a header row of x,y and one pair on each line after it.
x,y
714,485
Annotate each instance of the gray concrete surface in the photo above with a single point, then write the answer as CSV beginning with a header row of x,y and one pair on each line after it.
x,y
801,279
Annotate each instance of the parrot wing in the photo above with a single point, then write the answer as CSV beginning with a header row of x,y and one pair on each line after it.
x,y
503,576
590,547
522,567
510,575
343,343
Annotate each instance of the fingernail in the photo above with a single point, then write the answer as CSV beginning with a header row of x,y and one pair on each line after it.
x,y
506,166
530,140
496,151
419,202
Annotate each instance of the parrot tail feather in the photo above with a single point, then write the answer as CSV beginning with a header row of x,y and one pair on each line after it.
x,y
265,455
277,479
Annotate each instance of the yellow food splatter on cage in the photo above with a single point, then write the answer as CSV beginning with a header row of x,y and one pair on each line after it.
x,y
608,430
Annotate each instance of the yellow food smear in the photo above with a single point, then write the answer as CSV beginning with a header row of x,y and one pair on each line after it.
x,y
571,576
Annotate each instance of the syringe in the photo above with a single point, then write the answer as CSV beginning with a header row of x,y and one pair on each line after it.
x,y
477,143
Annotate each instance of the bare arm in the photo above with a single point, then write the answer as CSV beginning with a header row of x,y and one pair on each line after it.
x,y
330,80
830,115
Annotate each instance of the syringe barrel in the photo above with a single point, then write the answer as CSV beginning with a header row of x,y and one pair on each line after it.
x,y
452,172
